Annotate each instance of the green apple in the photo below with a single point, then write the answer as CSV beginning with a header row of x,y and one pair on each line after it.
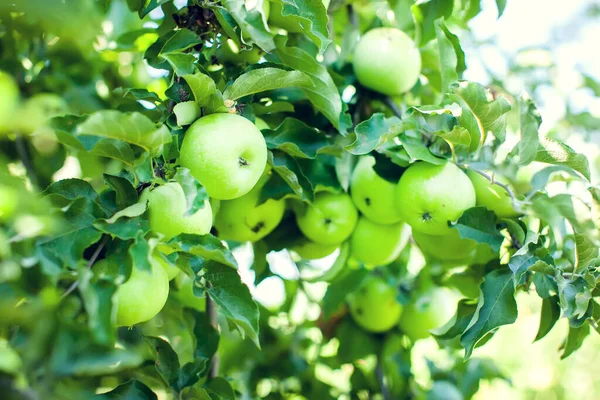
x,y
37,110
329,220
10,360
376,244
244,219
171,270
429,196
309,250
167,205
277,19
143,295
186,112
374,306
484,254
373,195
448,247
226,153
492,197
10,100
9,201
429,310
387,61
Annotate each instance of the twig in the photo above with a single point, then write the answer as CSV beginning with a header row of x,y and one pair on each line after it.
x,y
24,156
211,310
494,182
387,100
91,262
385,391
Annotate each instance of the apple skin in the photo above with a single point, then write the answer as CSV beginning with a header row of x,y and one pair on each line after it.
x,y
373,195
309,250
492,197
374,306
329,220
376,244
244,220
167,205
143,295
448,247
171,270
10,99
429,196
387,61
226,153
429,310
37,110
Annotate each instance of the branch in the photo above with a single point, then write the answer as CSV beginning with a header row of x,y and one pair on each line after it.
x,y
24,156
494,182
387,100
385,391
211,311
91,262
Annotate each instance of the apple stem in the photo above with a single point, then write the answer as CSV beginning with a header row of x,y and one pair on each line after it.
x,y
243,162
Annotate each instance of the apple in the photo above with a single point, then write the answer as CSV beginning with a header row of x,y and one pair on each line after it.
x,y
376,244
448,247
167,205
9,201
277,19
37,110
492,197
10,100
429,196
374,306
329,220
387,61
373,195
186,112
484,254
143,295
429,310
309,250
226,153
244,219
171,270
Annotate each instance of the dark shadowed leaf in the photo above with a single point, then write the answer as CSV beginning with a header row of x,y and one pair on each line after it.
x,y
574,340
550,314
373,132
479,224
296,138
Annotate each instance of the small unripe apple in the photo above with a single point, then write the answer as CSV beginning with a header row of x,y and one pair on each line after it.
x,y
9,201
329,220
374,306
429,310
387,61
309,250
448,247
376,244
226,153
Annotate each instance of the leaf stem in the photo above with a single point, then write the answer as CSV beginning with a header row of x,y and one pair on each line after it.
x,y
211,311
90,262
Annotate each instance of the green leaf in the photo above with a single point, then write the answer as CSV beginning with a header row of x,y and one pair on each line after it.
x,y
550,314
347,282
204,89
70,190
124,228
195,193
134,128
232,297
263,79
322,91
126,193
529,124
355,343
480,114
140,251
460,321
220,387
207,246
479,224
451,56
182,63
501,5
574,340
296,138
541,178
288,169
97,299
556,153
442,122
310,16
182,40
574,296
496,307
165,359
250,22
374,132
131,390
519,264
418,151
586,252
425,13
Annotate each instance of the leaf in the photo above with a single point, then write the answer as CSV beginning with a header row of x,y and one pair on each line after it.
x,y
425,13
134,128
207,246
124,228
97,299
220,387
541,178
310,16
451,55
165,359
418,151
250,22
519,264
232,297
288,169
496,307
182,63
195,193
140,252
296,138
459,323
263,79
322,92
479,224
204,89
529,124
550,314
442,122
182,40
574,296
373,132
131,390
126,193
501,6
556,153
480,116
355,343
346,282
574,340
70,190
586,252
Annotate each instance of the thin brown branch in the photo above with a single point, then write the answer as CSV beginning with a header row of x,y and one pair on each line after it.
x,y
90,262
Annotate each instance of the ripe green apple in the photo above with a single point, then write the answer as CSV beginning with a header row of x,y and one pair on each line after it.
x,y
143,295
226,153
373,195
376,244
374,306
277,19
37,110
329,220
387,61
10,100
492,197
448,247
429,310
309,250
167,205
429,196
186,112
244,220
